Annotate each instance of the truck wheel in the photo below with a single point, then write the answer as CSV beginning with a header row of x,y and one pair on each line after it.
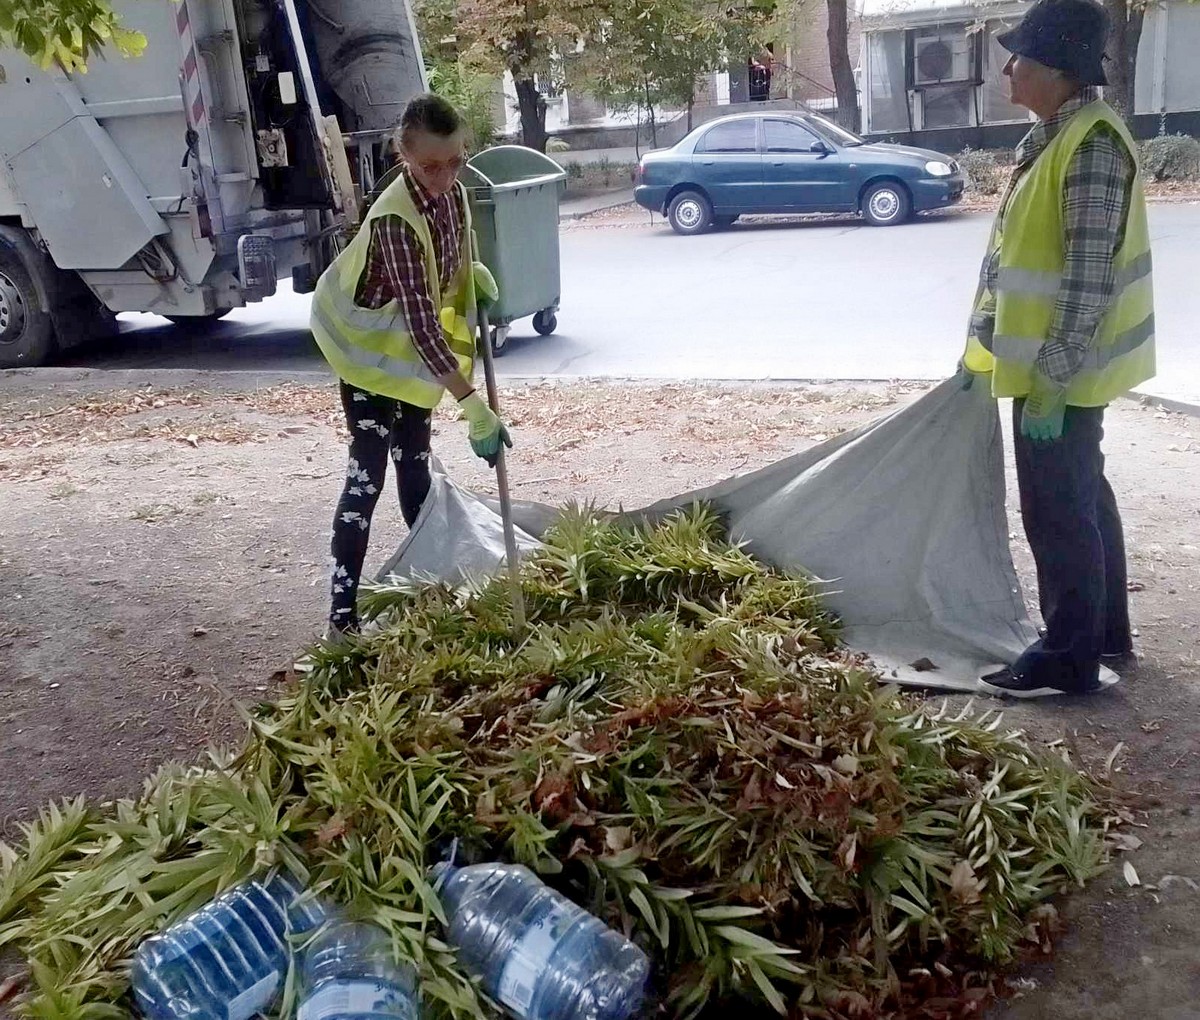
x,y
198,323
26,331
545,322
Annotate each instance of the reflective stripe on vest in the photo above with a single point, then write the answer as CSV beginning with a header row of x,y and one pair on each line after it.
x,y
365,358
371,348
1040,283
1029,277
1024,349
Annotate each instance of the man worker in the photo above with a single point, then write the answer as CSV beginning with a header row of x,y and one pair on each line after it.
x,y
393,316
1064,322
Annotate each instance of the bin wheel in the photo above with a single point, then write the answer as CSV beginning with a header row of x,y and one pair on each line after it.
x,y
545,322
499,340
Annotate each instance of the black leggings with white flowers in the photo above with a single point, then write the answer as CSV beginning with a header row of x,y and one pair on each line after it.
x,y
378,426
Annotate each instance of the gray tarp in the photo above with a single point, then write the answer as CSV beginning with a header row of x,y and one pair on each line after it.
x,y
903,517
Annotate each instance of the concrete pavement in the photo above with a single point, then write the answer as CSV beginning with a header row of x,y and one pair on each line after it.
x,y
820,300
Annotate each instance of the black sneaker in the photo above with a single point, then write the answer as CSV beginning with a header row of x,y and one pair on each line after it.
x,y
1005,683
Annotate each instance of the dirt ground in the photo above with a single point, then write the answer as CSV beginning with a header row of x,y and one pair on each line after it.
x,y
163,556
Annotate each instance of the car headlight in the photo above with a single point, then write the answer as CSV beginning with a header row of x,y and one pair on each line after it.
x,y
936,168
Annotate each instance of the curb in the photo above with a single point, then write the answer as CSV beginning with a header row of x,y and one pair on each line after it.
x,y
1167,403
603,204
134,377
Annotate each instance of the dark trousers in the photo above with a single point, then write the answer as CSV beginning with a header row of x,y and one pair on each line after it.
x,y
1074,529
378,425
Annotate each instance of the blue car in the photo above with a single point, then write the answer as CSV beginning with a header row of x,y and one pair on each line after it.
x,y
789,162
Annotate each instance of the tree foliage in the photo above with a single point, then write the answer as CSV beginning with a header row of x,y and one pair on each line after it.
x,y
653,52
65,31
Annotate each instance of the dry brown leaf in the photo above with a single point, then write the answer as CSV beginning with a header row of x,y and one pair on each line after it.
x,y
1124,842
11,985
334,829
964,885
618,838
1131,875
1112,757
1169,880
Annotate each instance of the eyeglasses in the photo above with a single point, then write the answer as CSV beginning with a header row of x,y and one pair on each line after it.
x,y
447,166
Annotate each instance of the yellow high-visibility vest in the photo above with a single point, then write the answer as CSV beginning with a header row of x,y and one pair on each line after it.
x,y
372,348
1032,259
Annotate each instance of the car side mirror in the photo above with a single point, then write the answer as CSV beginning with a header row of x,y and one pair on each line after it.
x,y
819,147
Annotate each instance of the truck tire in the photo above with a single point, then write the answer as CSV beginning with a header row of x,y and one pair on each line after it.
x,y
26,329
198,323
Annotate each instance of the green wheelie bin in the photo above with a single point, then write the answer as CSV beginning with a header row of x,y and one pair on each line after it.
x,y
514,194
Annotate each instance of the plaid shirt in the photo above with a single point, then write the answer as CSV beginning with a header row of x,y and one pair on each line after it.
x,y
396,269
1096,199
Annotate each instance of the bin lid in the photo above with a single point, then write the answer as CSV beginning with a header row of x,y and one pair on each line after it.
x,y
507,167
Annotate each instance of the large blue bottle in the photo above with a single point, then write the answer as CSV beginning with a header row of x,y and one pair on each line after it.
x,y
537,953
227,961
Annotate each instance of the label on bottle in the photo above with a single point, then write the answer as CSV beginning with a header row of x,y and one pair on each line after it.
x,y
530,955
355,996
255,999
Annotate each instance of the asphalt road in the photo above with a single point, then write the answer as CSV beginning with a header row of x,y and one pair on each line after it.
x,y
816,300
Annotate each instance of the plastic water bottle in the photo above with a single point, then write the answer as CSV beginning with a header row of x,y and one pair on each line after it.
x,y
536,952
228,960
349,973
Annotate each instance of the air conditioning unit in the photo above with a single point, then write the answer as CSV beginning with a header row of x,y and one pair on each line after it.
x,y
942,58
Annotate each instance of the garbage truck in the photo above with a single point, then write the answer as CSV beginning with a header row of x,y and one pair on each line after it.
x,y
237,149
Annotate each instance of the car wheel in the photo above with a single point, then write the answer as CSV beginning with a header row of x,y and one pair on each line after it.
x,y
690,213
26,332
886,204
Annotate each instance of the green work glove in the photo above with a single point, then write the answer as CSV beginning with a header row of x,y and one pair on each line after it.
x,y
487,293
1045,407
484,428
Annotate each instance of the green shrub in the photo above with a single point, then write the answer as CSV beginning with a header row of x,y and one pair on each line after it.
x,y
1171,158
985,175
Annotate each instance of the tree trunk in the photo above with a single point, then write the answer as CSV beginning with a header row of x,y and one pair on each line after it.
x,y
690,109
650,112
1123,41
533,114
840,65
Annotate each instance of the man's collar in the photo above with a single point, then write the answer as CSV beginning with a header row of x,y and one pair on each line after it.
x,y
1043,132
425,201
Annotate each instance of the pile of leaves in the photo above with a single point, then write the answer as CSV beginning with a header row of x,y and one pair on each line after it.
x,y
676,741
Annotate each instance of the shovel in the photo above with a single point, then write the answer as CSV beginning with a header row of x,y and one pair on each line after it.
x,y
510,534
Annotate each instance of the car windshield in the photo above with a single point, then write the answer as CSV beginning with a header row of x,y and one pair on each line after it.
x,y
832,131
